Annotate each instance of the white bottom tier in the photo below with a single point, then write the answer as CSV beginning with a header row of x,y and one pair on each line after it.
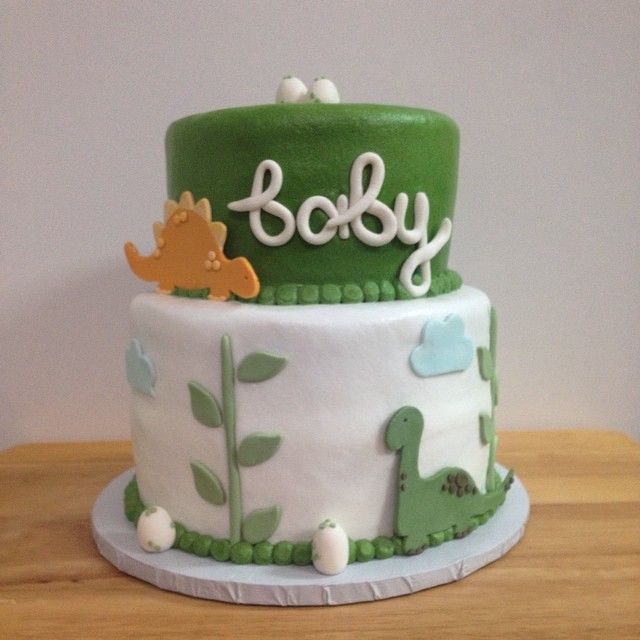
x,y
348,370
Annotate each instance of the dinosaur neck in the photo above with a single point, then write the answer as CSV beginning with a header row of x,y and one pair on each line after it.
x,y
409,456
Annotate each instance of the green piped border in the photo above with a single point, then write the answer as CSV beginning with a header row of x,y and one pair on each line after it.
x,y
351,293
284,552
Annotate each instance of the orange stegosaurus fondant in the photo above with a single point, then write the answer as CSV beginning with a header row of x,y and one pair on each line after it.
x,y
189,254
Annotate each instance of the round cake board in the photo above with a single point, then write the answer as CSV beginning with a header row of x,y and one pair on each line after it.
x,y
186,573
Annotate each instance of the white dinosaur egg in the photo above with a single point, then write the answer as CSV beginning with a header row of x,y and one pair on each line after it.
x,y
323,90
291,89
156,531
330,548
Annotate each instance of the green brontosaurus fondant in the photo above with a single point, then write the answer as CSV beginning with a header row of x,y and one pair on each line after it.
x,y
444,505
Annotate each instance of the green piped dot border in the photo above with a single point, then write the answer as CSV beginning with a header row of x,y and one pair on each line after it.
x,y
283,552
350,293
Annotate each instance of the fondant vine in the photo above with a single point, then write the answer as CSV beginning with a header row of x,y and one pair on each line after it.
x,y
256,448
488,372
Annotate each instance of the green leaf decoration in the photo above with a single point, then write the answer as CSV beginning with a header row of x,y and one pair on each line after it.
x,y
487,428
486,363
204,406
207,484
257,448
260,366
493,333
261,524
495,389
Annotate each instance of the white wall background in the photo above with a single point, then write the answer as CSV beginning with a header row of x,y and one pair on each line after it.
x,y
547,96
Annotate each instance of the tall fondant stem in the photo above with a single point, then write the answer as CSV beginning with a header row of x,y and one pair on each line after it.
x,y
229,412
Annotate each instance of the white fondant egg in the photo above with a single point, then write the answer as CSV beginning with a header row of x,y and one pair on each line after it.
x,y
323,90
291,89
330,546
156,531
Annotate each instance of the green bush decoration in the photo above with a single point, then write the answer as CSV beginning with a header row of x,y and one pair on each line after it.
x,y
330,294
241,553
186,540
352,294
384,547
287,294
448,534
220,549
267,295
387,291
365,551
301,554
282,552
353,551
202,545
263,553
397,545
309,294
180,531
371,292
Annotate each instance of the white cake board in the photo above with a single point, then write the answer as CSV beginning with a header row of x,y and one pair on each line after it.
x,y
186,573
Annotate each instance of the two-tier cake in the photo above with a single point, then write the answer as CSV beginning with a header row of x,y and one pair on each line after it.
x,y
311,384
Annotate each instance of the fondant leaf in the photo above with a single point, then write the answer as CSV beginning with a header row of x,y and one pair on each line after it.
x,y
486,363
204,406
261,524
493,333
257,448
207,484
260,366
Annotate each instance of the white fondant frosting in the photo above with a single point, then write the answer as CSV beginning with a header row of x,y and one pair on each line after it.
x,y
348,370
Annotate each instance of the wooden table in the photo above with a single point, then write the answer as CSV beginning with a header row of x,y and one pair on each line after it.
x,y
576,573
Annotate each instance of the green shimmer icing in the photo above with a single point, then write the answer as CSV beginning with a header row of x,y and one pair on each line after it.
x,y
215,155
427,507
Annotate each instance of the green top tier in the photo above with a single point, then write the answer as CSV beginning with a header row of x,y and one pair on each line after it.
x,y
215,155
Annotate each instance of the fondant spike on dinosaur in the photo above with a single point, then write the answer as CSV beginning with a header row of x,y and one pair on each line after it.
x,y
189,254
444,505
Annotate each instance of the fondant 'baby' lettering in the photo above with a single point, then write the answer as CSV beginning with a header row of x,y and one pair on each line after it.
x,y
346,215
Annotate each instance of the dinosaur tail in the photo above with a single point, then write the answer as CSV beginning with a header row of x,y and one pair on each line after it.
x,y
142,266
495,498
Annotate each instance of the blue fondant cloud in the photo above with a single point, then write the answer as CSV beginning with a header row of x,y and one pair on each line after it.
x,y
444,348
141,372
